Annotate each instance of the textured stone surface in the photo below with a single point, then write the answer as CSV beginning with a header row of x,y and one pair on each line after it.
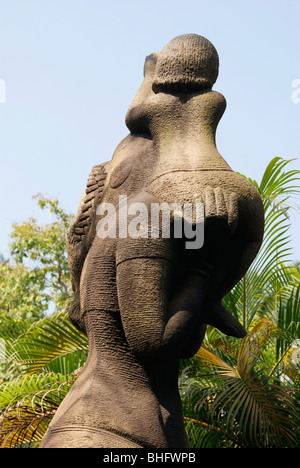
x,y
144,303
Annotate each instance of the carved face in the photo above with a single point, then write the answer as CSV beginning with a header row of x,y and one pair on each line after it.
x,y
187,63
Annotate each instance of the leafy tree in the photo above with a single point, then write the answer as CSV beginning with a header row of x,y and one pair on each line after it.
x,y
234,393
36,277
2,259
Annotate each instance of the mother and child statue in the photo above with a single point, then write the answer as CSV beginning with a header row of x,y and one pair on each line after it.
x,y
163,232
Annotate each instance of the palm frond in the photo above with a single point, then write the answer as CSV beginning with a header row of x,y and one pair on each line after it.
x,y
268,273
277,186
203,435
243,400
11,328
28,404
289,323
52,344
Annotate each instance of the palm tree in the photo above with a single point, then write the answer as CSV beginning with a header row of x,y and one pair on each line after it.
x,y
42,360
234,394
237,401
247,395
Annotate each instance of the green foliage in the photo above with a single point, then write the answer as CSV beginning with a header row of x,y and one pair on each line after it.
x,y
28,404
248,393
42,361
36,277
51,344
242,401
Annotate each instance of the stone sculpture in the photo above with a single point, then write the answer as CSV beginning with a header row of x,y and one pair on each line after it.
x,y
144,301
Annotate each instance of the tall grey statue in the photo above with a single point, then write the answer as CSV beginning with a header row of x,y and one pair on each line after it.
x,y
144,300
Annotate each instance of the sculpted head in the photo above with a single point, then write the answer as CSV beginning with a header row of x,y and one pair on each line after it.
x,y
188,63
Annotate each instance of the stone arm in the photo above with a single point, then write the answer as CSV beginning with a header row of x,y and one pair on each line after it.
x,y
173,296
158,323
158,317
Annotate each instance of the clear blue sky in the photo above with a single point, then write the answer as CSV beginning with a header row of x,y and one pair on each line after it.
x,y
72,67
